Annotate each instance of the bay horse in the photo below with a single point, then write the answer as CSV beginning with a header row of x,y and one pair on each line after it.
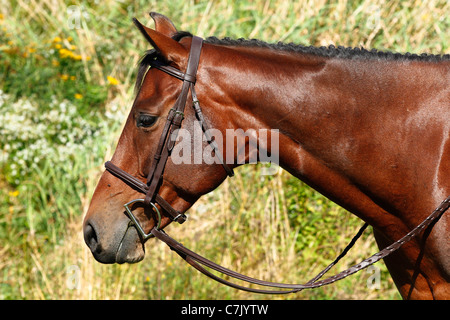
x,y
370,130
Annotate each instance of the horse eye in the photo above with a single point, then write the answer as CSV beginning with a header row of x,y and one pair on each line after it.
x,y
145,120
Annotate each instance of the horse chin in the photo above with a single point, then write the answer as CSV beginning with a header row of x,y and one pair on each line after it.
x,y
131,249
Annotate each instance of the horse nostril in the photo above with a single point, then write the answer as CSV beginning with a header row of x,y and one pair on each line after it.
x,y
90,237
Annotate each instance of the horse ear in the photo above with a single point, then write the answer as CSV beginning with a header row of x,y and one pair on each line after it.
x,y
170,49
163,24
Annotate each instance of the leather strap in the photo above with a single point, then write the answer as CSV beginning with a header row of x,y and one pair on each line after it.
x,y
138,185
205,128
173,123
167,139
198,261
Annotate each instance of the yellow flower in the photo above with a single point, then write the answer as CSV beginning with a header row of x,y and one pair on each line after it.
x,y
78,96
64,77
72,77
55,63
13,193
64,53
72,47
1,16
31,50
112,81
69,39
57,39
58,46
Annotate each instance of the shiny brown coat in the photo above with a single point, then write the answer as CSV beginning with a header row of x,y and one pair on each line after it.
x,y
371,132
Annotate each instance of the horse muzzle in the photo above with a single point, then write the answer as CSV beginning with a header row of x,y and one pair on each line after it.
x,y
118,244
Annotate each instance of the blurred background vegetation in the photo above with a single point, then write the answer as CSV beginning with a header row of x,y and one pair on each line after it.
x,y
67,70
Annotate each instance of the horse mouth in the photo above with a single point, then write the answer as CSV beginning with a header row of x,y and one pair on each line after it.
x,y
127,248
131,249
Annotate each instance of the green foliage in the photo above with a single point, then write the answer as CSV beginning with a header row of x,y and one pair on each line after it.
x,y
29,70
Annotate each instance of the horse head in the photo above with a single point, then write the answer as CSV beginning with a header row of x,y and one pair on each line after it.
x,y
108,230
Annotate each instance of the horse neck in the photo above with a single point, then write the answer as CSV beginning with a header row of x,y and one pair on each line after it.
x,y
332,114
372,136
305,97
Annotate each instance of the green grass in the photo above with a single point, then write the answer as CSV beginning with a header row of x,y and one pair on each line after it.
x,y
60,116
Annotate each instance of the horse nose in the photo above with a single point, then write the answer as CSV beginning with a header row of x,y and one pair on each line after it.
x,y
114,243
93,241
90,237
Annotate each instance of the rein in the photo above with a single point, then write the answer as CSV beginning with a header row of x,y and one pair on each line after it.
x,y
155,177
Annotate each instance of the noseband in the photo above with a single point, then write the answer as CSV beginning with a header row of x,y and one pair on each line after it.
x,y
155,177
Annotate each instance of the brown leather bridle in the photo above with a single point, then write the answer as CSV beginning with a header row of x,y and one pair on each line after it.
x,y
155,177
167,141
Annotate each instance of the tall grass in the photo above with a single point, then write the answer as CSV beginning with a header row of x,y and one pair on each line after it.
x,y
274,228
